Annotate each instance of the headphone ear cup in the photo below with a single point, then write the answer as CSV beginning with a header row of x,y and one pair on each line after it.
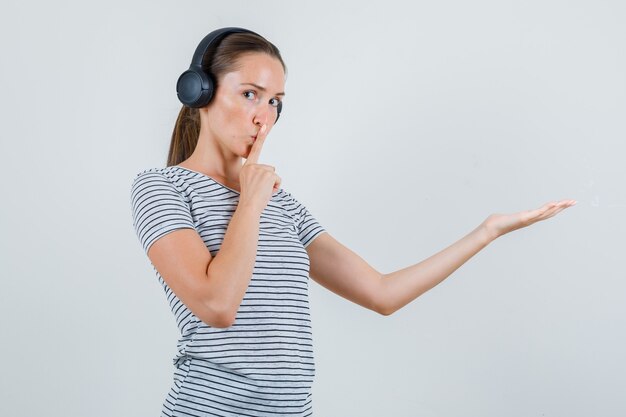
x,y
195,88
279,109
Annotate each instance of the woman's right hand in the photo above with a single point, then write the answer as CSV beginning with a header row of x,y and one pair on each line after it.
x,y
258,181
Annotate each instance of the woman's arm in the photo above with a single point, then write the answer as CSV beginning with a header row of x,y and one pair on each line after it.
x,y
343,272
401,287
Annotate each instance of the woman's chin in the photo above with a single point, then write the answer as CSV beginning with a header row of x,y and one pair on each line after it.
x,y
246,151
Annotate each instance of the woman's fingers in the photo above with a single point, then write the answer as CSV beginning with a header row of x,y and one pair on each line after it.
x,y
255,152
550,209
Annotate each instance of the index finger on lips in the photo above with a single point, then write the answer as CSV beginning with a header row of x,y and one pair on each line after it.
x,y
255,152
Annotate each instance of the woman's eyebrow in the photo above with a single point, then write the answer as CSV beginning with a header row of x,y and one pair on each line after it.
x,y
262,88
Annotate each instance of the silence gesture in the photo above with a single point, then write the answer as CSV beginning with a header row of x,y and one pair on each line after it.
x,y
258,181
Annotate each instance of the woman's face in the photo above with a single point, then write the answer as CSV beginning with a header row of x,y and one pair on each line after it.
x,y
246,99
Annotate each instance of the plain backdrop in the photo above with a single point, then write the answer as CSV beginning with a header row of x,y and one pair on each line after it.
x,y
404,126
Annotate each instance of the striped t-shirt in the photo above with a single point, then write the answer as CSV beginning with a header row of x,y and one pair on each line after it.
x,y
262,365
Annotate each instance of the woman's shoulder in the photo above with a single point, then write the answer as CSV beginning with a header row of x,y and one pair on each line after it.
x,y
155,170
171,173
158,178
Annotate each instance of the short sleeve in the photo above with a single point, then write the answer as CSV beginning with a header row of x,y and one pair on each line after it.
x,y
307,226
158,208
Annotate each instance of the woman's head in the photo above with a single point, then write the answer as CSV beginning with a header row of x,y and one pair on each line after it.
x,y
237,109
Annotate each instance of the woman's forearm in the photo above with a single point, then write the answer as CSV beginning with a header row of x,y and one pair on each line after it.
x,y
405,285
401,287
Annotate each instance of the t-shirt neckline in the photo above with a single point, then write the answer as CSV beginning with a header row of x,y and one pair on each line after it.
x,y
206,176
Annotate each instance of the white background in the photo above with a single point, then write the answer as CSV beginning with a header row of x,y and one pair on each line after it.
x,y
404,126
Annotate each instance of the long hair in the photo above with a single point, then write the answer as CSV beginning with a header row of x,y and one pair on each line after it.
x,y
223,60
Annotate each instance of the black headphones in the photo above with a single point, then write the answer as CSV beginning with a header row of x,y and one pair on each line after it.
x,y
195,87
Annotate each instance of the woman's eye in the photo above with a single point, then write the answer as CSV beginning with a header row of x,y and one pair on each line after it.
x,y
277,101
248,92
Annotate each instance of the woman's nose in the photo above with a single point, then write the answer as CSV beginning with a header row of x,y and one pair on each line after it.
x,y
262,116
260,119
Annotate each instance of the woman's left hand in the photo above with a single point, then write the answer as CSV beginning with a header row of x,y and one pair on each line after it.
x,y
500,224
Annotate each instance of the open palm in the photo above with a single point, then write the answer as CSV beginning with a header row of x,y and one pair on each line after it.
x,y
500,224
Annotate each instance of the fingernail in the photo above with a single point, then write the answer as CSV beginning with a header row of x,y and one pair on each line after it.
x,y
263,128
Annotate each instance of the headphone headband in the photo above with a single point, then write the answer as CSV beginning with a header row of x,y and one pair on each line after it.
x,y
213,39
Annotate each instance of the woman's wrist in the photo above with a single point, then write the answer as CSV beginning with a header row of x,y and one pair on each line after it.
x,y
489,230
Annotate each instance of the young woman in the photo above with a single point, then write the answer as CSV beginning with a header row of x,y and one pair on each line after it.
x,y
234,251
